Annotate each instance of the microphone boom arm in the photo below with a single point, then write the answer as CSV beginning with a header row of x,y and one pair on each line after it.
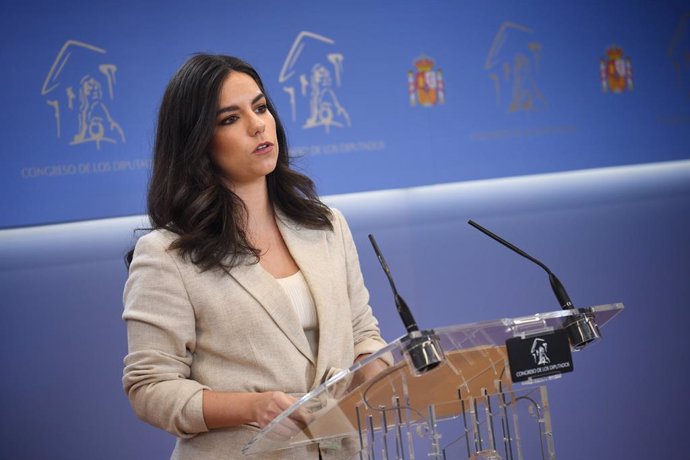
x,y
582,329
556,285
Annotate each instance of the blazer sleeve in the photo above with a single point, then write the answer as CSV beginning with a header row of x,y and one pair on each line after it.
x,y
365,329
161,341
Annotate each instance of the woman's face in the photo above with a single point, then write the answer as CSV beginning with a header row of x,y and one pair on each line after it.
x,y
244,145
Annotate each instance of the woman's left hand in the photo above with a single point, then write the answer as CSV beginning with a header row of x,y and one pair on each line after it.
x,y
368,372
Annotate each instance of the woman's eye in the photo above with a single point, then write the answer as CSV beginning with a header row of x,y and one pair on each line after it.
x,y
262,108
228,120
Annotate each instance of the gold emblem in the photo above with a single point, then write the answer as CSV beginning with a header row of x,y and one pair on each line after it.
x,y
79,87
311,74
513,66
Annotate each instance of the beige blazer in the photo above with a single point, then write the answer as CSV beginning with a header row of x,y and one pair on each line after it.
x,y
236,331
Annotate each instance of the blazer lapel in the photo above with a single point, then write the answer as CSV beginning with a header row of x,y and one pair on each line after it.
x,y
310,250
268,293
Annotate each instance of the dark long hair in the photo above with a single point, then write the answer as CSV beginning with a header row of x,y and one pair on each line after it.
x,y
187,195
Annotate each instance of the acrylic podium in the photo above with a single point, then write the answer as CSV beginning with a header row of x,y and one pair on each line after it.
x,y
469,406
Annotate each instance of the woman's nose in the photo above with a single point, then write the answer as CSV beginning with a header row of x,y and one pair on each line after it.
x,y
257,125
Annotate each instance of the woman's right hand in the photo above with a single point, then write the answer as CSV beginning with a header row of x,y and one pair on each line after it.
x,y
270,405
233,409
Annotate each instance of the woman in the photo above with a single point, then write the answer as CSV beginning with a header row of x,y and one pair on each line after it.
x,y
248,292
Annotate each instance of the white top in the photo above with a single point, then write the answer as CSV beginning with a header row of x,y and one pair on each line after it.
x,y
297,290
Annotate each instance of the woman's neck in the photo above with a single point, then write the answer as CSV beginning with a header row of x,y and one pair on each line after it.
x,y
255,198
262,230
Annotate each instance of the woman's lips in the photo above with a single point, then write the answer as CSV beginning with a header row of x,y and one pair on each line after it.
x,y
263,148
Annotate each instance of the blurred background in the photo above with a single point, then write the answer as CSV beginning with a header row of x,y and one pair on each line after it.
x,y
562,126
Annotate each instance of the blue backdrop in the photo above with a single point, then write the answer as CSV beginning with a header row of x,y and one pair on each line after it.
x,y
563,126
507,88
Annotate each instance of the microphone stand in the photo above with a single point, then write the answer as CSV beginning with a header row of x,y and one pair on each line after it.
x,y
581,327
422,348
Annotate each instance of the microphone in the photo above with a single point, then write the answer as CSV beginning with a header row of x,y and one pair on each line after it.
x,y
558,289
421,348
400,304
581,327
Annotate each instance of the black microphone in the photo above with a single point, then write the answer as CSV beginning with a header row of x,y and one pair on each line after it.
x,y
422,348
558,289
400,304
582,329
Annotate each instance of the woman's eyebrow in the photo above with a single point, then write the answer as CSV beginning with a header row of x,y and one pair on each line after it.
x,y
232,108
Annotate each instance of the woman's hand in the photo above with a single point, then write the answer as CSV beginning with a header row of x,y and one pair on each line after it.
x,y
367,372
269,405
222,410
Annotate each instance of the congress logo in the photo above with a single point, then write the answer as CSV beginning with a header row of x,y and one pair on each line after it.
x,y
615,71
425,84
538,351
312,75
512,65
80,87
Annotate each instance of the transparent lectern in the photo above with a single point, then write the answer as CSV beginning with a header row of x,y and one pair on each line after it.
x,y
450,393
